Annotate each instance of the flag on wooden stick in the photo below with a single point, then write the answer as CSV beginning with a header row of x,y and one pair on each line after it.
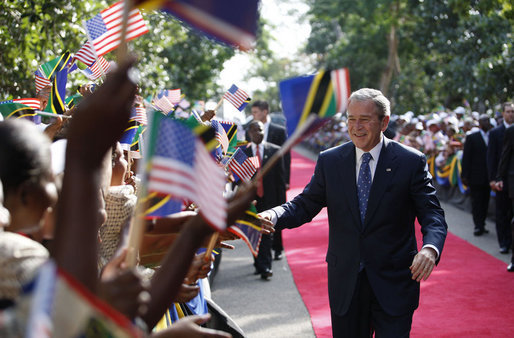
x,y
179,165
104,29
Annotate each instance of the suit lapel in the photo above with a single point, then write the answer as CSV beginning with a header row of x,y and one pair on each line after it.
x,y
346,168
384,173
266,154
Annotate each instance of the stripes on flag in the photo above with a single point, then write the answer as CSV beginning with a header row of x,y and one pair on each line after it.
x,y
86,54
32,103
341,83
237,97
140,115
221,135
104,29
255,161
41,83
100,67
242,166
181,167
167,99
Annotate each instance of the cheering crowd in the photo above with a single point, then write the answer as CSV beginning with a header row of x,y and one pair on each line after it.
x,y
67,222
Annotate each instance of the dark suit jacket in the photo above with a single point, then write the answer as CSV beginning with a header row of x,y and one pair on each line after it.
x,y
274,183
277,135
474,160
494,150
506,166
385,243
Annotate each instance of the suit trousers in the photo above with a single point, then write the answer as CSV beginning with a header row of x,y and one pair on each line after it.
x,y
277,241
365,316
479,204
263,260
503,219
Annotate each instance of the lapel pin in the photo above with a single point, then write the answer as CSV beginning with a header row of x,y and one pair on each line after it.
x,y
388,169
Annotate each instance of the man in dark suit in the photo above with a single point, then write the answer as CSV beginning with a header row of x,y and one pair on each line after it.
x,y
374,189
505,175
272,191
474,173
503,204
276,134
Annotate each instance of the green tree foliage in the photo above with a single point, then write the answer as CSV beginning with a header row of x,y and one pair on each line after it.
x,y
447,51
170,56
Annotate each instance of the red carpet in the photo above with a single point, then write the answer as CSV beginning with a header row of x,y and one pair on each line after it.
x,y
469,294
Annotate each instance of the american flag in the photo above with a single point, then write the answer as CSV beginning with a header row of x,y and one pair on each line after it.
x,y
181,167
237,97
221,135
32,103
41,83
104,30
241,165
100,67
86,54
140,115
167,99
255,161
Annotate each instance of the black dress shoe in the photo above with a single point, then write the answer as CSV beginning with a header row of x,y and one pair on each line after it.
x,y
510,267
479,232
266,274
504,250
278,256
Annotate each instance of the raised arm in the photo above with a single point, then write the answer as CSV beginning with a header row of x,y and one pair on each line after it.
x,y
96,125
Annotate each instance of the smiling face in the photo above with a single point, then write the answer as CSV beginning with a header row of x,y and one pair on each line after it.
x,y
365,126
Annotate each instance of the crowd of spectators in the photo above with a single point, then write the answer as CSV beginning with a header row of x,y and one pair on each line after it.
x,y
440,134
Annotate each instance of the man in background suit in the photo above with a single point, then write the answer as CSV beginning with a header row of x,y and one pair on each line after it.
x,y
276,134
503,204
474,173
506,169
271,192
374,189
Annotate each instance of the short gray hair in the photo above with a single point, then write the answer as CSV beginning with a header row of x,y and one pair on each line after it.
x,y
368,94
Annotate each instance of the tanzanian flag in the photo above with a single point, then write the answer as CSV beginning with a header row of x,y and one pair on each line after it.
x,y
248,228
313,94
16,111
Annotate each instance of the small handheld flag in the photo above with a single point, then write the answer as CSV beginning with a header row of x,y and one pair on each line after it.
x,y
240,165
249,230
315,94
229,21
104,29
237,97
179,165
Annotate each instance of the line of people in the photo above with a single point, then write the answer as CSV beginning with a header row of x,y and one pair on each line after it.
x,y
76,220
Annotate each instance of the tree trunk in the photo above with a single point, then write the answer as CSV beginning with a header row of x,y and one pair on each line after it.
x,y
393,61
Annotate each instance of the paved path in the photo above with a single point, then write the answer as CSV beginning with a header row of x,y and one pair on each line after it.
x,y
274,308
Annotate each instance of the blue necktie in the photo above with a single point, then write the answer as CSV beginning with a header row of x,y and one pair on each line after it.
x,y
364,184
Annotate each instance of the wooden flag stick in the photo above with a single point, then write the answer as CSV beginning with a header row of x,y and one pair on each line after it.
x,y
291,141
137,229
210,246
121,52
220,102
